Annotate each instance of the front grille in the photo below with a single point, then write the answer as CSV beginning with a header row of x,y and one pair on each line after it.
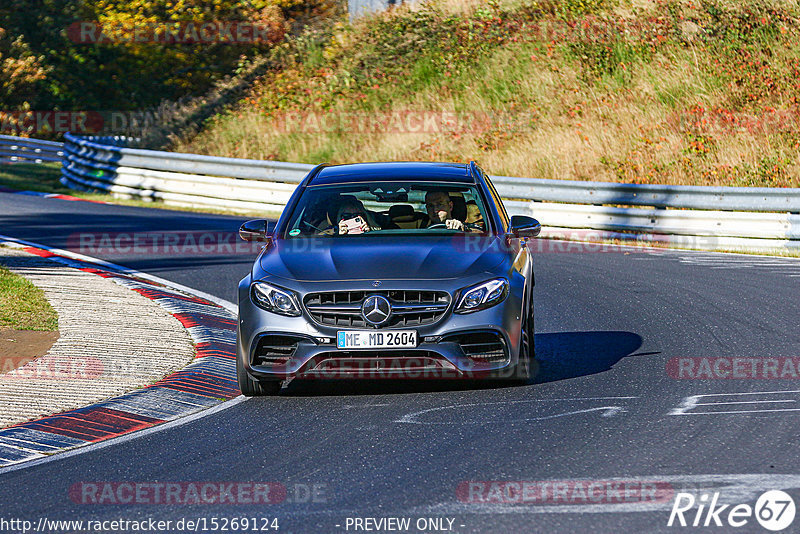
x,y
409,308
486,347
275,349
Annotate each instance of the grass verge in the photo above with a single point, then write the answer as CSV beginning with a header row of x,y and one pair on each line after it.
x,y
23,305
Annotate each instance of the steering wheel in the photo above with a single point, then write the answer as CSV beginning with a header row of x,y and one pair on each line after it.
x,y
437,225
474,226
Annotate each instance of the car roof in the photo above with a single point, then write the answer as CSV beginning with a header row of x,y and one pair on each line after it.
x,y
397,171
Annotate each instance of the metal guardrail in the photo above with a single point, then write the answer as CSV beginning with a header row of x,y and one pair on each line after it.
x,y
660,196
179,179
747,217
661,221
22,149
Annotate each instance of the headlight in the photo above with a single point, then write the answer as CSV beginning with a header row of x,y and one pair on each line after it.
x,y
482,296
275,299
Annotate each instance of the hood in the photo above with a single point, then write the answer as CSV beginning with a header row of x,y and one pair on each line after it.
x,y
385,258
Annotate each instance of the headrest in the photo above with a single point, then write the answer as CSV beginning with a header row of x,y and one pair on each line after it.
x,y
401,210
459,207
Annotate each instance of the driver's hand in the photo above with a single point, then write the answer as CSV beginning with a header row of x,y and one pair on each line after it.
x,y
342,228
454,224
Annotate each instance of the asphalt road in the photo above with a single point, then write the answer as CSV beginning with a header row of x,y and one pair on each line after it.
x,y
604,406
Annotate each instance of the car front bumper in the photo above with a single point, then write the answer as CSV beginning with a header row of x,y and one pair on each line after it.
x,y
445,349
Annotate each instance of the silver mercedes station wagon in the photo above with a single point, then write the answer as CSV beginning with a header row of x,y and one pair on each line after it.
x,y
388,270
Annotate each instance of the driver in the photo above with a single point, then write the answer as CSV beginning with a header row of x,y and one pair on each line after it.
x,y
440,210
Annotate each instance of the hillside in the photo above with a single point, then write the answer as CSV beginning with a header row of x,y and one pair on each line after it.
x,y
130,58
664,91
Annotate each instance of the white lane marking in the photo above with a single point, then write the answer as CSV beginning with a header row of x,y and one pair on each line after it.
x,y
80,449
140,433
354,406
692,401
608,411
741,402
228,305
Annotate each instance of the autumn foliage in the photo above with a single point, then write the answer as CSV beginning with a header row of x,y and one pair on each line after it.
x,y
43,66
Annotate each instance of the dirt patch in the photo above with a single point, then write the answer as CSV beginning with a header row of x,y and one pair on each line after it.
x,y
18,347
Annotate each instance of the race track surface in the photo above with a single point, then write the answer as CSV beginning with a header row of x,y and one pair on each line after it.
x,y
607,404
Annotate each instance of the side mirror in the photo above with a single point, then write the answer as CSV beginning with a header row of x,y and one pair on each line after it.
x,y
522,226
255,230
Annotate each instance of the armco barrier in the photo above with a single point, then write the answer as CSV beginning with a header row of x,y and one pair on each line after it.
x,y
753,218
179,179
656,195
22,149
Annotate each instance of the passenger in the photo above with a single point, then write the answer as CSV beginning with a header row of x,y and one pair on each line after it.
x,y
474,217
351,218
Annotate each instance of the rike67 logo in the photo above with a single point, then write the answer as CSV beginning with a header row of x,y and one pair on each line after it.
x,y
774,510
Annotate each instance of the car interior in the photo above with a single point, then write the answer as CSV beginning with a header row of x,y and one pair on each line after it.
x,y
393,210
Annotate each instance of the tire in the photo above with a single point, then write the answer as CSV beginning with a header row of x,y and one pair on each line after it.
x,y
522,372
527,366
255,388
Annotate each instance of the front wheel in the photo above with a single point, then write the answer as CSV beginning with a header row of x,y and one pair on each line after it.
x,y
255,388
526,368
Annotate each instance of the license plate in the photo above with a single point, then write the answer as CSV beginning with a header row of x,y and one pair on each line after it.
x,y
370,339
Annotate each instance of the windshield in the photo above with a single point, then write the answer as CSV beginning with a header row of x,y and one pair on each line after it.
x,y
388,208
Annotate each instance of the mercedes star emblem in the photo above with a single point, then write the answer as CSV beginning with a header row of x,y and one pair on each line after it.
x,y
376,310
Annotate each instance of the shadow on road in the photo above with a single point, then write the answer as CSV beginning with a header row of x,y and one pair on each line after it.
x,y
559,356
563,355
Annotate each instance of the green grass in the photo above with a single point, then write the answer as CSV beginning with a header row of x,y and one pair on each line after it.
x,y
33,177
23,305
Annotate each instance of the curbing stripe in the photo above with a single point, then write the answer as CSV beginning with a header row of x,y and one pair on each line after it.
x,y
205,383
160,403
35,438
93,423
10,455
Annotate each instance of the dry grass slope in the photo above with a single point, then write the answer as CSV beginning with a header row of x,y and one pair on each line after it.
x,y
661,91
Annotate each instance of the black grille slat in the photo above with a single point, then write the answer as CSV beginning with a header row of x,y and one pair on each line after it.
x,y
477,346
487,347
322,307
275,349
